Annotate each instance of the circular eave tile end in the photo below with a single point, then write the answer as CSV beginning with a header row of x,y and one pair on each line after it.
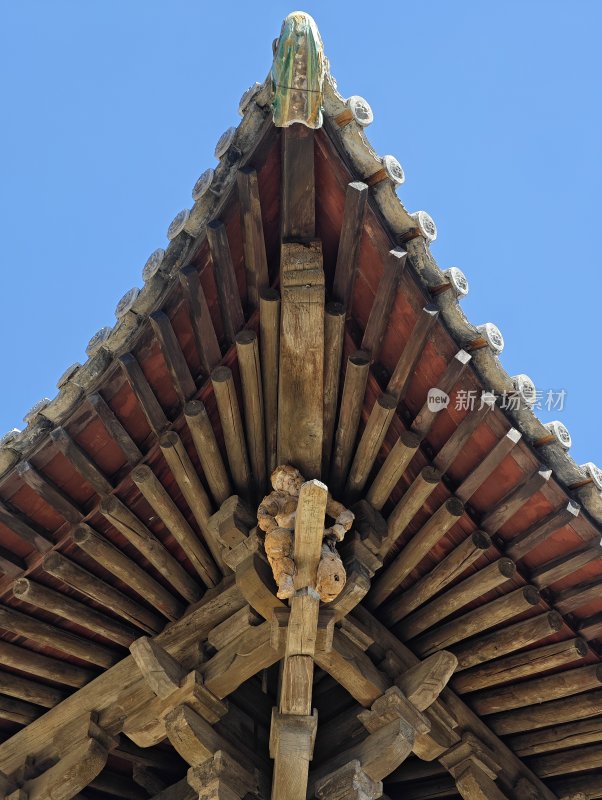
x,y
594,472
458,281
153,263
245,100
426,225
202,185
560,432
224,142
360,108
9,436
126,302
525,387
493,336
97,341
35,409
68,374
394,170
177,224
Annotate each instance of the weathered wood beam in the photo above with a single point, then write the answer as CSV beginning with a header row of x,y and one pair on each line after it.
x,y
17,711
446,571
384,300
553,712
205,443
350,239
97,590
404,369
55,638
522,544
223,777
352,400
121,691
234,435
49,493
144,394
334,334
485,468
513,768
247,350
114,561
577,759
558,737
225,279
80,461
41,543
298,200
162,672
507,640
514,500
128,524
203,330
521,665
44,667
425,417
256,262
193,490
370,443
240,660
30,691
115,429
11,565
537,690
392,469
156,495
485,580
415,550
349,782
301,368
379,754
423,683
230,629
559,568
181,377
71,774
42,597
493,613
459,438
591,627
417,493
269,336
354,670
293,729
570,599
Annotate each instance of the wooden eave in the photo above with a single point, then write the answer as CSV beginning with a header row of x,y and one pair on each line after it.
x,y
72,496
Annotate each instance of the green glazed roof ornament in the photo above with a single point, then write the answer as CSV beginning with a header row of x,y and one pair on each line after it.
x,y
298,73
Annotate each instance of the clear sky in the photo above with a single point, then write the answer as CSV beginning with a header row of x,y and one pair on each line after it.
x,y
111,110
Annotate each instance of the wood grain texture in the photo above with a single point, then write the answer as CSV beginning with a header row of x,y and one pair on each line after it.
x,y
301,370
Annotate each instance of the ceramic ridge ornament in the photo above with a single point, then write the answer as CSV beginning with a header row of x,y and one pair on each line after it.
x,y
298,73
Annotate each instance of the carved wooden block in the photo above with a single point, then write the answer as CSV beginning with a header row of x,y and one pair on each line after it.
x,y
222,778
349,782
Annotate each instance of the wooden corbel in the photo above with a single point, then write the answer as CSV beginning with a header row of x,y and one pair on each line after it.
x,y
172,686
78,763
349,782
222,777
473,767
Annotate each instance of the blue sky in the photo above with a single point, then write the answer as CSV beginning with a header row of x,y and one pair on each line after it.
x,y
111,110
